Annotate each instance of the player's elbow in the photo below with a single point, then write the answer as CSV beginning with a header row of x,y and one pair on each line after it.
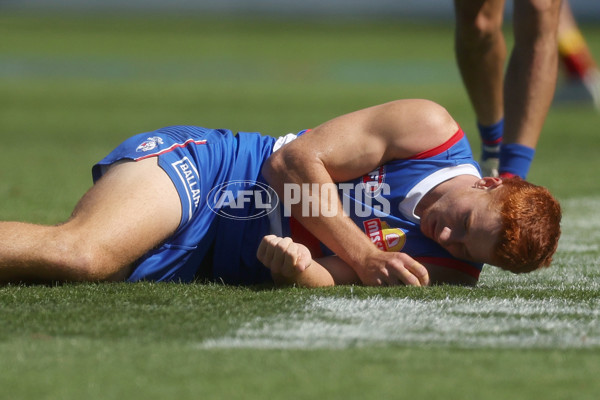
x,y
274,167
284,166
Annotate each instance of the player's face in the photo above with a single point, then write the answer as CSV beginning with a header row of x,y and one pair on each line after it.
x,y
463,223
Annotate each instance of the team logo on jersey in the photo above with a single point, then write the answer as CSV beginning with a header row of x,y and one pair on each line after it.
x,y
384,237
149,144
373,182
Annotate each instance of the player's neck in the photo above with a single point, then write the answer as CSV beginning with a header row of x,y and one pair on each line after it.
x,y
460,182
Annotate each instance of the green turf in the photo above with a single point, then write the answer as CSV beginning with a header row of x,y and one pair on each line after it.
x,y
72,87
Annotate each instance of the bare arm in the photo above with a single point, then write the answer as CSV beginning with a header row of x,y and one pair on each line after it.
x,y
291,264
348,147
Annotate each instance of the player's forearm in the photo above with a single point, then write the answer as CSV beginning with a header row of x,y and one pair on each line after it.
x,y
322,272
312,277
318,206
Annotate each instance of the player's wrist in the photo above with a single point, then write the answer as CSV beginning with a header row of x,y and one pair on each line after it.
x,y
361,256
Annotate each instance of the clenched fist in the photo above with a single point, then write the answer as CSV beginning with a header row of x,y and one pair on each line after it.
x,y
283,256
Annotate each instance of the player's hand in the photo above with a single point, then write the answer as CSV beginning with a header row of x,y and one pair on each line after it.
x,y
392,268
283,256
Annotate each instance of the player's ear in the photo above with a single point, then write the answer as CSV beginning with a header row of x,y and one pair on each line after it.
x,y
488,183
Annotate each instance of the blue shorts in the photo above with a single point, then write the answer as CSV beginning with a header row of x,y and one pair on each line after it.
x,y
197,160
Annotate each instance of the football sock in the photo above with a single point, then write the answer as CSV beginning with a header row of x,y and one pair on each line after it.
x,y
515,159
491,137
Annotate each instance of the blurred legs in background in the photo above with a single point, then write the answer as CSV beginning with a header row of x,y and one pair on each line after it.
x,y
511,108
576,58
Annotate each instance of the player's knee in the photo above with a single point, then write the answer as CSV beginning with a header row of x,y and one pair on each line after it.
x,y
83,260
537,19
543,6
476,28
90,265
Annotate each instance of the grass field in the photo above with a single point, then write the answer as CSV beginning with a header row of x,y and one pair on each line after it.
x,y
72,87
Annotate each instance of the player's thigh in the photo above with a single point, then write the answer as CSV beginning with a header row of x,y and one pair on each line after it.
x,y
133,208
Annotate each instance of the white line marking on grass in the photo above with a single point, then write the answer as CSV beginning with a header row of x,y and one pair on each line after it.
x,y
330,322
326,322
569,272
580,225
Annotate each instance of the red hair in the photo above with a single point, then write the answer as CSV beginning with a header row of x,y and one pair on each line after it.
x,y
530,218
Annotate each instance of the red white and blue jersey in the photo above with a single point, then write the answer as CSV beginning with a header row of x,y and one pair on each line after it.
x,y
217,176
382,203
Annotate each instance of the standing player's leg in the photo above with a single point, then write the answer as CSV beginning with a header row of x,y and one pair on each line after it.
x,y
575,54
480,54
133,208
530,82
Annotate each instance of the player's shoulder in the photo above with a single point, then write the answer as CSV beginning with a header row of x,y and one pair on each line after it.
x,y
413,126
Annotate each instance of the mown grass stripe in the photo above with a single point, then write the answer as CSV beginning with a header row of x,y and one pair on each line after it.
x,y
326,322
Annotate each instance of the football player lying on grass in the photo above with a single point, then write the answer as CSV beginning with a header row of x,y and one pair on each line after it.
x,y
408,206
